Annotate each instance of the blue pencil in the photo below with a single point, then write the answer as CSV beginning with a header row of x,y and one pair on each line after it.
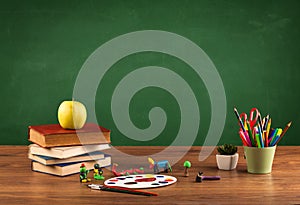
x,y
260,137
276,137
274,141
273,136
266,123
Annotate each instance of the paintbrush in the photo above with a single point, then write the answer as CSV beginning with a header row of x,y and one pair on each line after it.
x,y
120,190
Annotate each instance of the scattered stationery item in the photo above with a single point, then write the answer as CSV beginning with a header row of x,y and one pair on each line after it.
x,y
200,177
268,131
283,133
54,135
257,132
141,181
272,134
250,135
260,135
239,119
276,136
257,140
245,140
66,152
83,174
156,166
266,122
81,158
187,165
266,119
120,190
98,172
68,168
127,171
259,122
252,121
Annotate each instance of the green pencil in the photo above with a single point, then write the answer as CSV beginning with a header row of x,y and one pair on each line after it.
x,y
250,134
257,140
273,136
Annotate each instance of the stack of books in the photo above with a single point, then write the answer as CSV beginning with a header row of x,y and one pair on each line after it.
x,y
60,152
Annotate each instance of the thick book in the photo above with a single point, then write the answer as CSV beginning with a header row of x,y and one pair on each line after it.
x,y
53,135
52,161
69,168
66,152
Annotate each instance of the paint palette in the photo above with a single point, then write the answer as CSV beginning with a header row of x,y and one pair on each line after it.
x,y
141,181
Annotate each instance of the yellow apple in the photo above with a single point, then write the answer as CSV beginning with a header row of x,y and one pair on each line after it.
x,y
71,115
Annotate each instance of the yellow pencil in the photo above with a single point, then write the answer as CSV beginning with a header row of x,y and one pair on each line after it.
x,y
268,131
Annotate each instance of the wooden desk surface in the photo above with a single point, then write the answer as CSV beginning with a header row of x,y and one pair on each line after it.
x,y
20,185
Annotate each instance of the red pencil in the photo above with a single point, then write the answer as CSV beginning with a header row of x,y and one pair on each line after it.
x,y
245,143
127,190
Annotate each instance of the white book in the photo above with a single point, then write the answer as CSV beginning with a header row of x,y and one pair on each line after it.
x,y
69,168
51,160
66,152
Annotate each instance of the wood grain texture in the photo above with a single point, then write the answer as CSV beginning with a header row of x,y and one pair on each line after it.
x,y
20,185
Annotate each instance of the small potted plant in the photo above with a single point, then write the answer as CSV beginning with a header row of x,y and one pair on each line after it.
x,y
228,157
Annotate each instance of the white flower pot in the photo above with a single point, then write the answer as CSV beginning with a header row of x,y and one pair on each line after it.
x,y
227,162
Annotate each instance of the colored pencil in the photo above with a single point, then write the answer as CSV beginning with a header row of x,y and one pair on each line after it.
x,y
259,122
260,137
251,136
263,123
127,190
257,140
267,132
276,138
248,138
259,133
274,134
284,131
265,138
239,119
274,141
266,122
242,136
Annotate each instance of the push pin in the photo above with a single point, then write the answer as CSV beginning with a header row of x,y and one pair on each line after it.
x,y
200,178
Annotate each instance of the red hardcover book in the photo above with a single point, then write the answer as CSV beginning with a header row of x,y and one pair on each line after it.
x,y
54,135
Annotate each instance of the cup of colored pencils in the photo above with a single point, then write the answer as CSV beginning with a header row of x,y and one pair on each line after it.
x,y
260,141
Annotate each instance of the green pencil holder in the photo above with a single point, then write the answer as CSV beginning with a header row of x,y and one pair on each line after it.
x,y
259,160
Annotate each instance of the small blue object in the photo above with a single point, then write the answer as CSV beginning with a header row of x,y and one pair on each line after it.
x,y
260,137
275,140
157,166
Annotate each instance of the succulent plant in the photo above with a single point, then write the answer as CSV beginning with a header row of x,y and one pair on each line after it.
x,y
227,149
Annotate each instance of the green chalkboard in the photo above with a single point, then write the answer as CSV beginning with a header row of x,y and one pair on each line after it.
x,y
254,47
